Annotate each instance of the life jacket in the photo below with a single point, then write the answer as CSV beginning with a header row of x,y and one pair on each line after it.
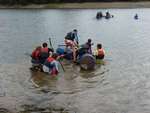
x,y
35,54
45,50
44,53
50,59
101,52
48,62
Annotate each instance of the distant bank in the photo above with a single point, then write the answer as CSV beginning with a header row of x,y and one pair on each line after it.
x,y
85,5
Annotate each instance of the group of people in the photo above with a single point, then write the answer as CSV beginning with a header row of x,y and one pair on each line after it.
x,y
45,59
100,15
71,41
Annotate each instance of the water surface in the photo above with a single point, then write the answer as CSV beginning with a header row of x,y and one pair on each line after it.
x,y
121,85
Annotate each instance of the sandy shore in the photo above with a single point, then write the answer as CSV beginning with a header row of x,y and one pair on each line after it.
x,y
86,5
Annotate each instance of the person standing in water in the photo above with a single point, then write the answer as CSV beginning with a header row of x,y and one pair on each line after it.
x,y
99,53
136,16
44,54
51,64
89,45
71,40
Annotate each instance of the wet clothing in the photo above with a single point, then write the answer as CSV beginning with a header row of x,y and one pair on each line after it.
x,y
51,66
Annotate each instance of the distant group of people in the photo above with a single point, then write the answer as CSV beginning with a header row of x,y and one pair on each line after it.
x,y
99,15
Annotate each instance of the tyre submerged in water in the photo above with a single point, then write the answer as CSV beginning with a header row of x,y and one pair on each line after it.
x,y
87,62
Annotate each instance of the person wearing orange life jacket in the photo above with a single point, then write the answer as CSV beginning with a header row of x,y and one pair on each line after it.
x,y
100,53
36,55
44,54
51,65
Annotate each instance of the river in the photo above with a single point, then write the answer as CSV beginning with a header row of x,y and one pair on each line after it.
x,y
120,85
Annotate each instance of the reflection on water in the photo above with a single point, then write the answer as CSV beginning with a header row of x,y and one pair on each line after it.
x,y
119,84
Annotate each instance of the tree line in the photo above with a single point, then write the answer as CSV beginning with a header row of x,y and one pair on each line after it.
x,y
26,2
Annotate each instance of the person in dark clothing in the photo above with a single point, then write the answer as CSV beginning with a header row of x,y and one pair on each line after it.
x,y
107,15
89,45
99,15
45,51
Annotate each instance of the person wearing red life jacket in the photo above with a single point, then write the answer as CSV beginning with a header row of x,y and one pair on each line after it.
x,y
44,54
100,53
51,65
36,55
36,59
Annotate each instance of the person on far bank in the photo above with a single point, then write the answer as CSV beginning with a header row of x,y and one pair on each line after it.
x,y
71,40
45,51
99,53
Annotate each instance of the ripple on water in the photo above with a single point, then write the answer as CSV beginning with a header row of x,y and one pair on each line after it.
x,y
72,81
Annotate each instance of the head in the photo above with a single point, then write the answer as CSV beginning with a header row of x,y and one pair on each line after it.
x,y
89,40
99,46
107,12
75,31
55,55
44,44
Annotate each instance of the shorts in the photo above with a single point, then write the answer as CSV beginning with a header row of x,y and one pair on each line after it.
x,y
69,43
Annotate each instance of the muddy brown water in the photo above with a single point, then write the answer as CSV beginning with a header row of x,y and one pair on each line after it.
x,y
120,85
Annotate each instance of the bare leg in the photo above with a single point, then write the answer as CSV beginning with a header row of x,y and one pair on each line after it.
x,y
74,53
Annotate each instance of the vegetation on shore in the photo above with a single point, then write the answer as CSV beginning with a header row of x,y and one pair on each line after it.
x,y
28,2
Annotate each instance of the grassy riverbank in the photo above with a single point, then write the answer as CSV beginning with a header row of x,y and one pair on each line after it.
x,y
86,5
102,5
